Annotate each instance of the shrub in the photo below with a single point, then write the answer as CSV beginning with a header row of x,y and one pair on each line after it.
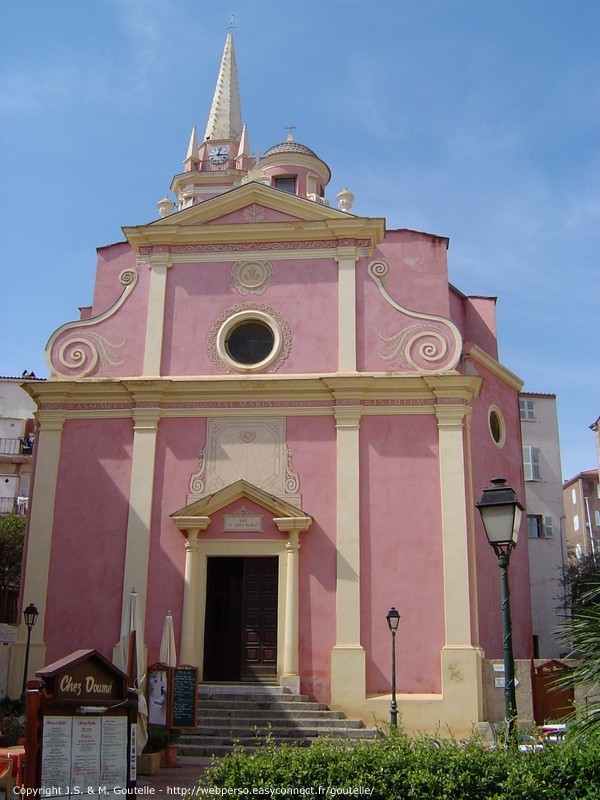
x,y
158,739
399,768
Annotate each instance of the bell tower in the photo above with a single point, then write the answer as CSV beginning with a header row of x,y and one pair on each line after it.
x,y
223,158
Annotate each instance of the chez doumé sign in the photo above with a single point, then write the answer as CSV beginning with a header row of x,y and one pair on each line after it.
x,y
84,677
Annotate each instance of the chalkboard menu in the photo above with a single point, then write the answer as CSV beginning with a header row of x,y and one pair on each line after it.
x,y
185,698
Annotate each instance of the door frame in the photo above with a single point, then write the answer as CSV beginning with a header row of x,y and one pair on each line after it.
x,y
210,548
283,541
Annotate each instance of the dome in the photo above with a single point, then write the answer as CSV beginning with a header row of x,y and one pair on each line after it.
x,y
290,147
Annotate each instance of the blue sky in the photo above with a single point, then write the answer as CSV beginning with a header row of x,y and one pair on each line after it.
x,y
473,119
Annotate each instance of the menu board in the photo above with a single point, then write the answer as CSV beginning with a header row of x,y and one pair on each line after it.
x,y
158,696
85,753
185,697
56,755
113,752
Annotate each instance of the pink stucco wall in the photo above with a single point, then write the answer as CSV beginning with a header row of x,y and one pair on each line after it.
x,y
489,462
83,607
198,293
416,280
312,440
401,550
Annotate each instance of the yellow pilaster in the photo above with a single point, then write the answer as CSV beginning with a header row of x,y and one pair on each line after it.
x,y
137,551
189,649
348,673
38,547
461,659
346,258
159,264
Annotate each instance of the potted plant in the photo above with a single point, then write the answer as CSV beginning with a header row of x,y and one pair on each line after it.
x,y
170,751
148,762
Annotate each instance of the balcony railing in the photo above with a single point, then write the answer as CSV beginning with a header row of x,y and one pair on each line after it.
x,y
16,447
14,505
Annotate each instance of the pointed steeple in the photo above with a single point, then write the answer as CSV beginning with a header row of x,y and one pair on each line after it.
x,y
225,118
192,152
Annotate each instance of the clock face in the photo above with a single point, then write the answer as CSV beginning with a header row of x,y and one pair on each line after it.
x,y
218,155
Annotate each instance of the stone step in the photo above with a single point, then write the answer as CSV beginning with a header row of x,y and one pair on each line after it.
x,y
246,715
257,697
224,714
260,705
238,728
250,735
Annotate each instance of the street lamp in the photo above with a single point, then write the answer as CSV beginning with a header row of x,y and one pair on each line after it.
x,y
393,618
501,516
29,615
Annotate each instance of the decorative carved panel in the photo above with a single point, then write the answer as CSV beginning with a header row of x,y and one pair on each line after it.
x,y
254,450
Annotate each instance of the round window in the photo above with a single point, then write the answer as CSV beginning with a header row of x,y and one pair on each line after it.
x,y
250,342
497,427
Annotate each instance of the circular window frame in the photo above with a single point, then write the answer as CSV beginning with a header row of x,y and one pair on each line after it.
x,y
250,315
494,411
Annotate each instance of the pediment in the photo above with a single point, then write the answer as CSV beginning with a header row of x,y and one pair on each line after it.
x,y
254,212
203,508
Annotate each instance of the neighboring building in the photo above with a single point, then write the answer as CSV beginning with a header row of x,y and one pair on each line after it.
x,y
595,426
544,504
16,444
581,496
16,454
275,420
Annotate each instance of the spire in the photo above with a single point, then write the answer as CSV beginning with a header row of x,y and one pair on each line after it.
x,y
192,151
225,118
244,148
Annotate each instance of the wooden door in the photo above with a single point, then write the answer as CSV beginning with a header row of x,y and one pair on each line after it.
x,y
259,619
240,641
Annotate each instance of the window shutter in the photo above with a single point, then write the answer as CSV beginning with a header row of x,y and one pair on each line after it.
x,y
527,463
535,464
548,529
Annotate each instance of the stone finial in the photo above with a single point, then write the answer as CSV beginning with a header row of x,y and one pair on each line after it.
x,y
345,199
165,206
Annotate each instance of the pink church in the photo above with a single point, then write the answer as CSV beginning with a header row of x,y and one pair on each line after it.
x,y
274,421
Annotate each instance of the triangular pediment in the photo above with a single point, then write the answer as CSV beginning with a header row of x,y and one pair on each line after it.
x,y
229,494
229,216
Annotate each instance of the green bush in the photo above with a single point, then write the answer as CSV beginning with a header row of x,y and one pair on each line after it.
x,y
398,768
158,739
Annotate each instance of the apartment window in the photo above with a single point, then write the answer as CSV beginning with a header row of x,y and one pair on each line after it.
x,y
598,491
576,522
574,496
548,528
534,526
531,463
597,517
526,409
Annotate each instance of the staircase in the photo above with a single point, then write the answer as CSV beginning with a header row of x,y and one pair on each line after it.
x,y
246,714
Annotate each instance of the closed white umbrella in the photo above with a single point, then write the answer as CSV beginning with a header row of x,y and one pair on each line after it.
x,y
168,652
132,661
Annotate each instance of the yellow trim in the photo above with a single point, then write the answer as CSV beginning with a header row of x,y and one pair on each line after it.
x,y
325,223
495,367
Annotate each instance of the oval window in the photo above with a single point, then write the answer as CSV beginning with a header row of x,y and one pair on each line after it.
x,y
497,427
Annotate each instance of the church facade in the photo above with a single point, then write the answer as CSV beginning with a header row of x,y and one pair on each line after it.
x,y
274,422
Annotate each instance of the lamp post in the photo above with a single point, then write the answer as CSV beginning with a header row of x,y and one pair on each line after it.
x,y
30,615
393,618
501,516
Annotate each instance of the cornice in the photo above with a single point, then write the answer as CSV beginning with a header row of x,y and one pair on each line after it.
x,y
312,221
260,395
259,232
478,355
